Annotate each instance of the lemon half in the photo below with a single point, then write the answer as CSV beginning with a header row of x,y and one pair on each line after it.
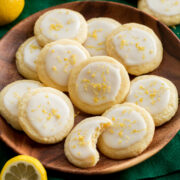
x,y
10,10
23,167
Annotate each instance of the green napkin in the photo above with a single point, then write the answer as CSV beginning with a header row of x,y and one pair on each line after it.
x,y
165,165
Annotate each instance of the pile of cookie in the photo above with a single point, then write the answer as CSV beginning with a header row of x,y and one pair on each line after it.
x,y
91,61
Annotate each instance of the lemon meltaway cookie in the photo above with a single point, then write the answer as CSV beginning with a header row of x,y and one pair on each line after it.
x,y
59,24
10,95
26,57
98,83
131,133
167,11
80,144
98,30
46,115
56,61
157,95
136,46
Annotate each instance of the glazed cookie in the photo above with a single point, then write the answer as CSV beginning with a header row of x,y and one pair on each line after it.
x,y
56,61
60,24
97,84
46,115
98,30
80,144
11,95
26,57
136,46
157,95
167,11
131,133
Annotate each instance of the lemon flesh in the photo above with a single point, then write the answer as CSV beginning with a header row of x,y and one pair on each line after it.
x,y
22,171
23,167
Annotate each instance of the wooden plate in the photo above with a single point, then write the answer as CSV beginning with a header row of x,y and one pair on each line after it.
x,y
52,156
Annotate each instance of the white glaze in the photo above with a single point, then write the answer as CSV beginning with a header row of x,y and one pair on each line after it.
x,y
31,52
81,143
60,59
98,30
165,7
15,93
152,93
60,23
135,46
98,83
128,128
48,113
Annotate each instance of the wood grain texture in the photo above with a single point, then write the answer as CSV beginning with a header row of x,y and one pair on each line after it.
x,y
52,156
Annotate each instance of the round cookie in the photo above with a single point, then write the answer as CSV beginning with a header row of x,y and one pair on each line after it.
x,y
167,11
26,57
136,46
97,84
46,115
98,30
56,61
80,144
60,24
131,133
157,95
10,95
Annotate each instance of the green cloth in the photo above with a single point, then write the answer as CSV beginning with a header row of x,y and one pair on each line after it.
x,y
165,165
